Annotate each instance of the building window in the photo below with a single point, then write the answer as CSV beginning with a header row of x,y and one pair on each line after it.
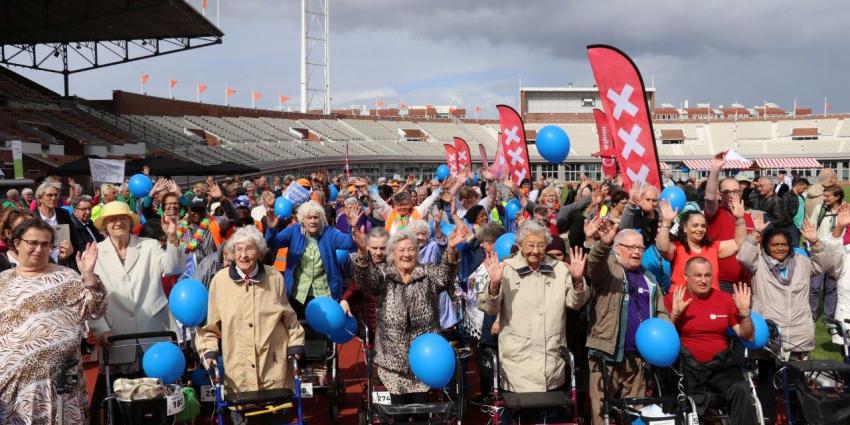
x,y
550,171
588,102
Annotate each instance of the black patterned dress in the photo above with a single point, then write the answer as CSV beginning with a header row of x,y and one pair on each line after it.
x,y
41,323
405,311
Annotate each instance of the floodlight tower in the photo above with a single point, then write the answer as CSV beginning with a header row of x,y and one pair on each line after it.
x,y
315,56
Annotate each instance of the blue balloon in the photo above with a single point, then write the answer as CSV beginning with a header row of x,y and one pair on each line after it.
x,y
512,208
432,360
658,342
283,207
442,172
801,251
199,377
334,192
165,361
325,315
188,302
447,228
341,256
472,181
140,185
347,333
675,196
553,144
503,245
68,208
761,335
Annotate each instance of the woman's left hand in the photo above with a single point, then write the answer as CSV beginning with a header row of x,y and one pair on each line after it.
x,y
576,265
86,261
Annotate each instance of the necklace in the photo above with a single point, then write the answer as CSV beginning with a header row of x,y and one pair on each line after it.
x,y
197,237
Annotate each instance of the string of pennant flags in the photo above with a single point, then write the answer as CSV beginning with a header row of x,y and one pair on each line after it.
x,y
201,88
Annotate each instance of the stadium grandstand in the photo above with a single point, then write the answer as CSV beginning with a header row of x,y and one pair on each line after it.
x,y
56,129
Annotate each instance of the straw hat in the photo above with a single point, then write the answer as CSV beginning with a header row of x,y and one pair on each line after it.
x,y
115,208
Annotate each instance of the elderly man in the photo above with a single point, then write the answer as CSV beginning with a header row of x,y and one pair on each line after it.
x,y
108,193
814,196
721,221
624,295
703,316
531,293
642,213
767,201
82,228
13,199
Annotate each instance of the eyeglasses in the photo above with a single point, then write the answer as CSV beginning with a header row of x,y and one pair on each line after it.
x,y
633,248
32,245
246,250
533,246
51,195
730,192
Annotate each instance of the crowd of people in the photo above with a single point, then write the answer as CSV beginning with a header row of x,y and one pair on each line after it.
x,y
590,263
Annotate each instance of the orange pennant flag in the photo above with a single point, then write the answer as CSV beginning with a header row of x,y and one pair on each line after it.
x,y
379,103
256,95
283,98
478,108
203,4
229,92
145,78
172,83
202,87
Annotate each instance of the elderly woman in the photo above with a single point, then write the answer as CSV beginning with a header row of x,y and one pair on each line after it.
x,y
780,287
43,309
311,264
531,293
691,241
251,296
408,295
131,269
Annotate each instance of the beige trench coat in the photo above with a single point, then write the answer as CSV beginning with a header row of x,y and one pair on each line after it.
x,y
136,300
533,313
257,328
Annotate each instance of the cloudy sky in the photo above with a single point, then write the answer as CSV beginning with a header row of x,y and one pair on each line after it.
x,y
475,52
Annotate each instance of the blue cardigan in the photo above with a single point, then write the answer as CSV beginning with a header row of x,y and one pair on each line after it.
x,y
293,238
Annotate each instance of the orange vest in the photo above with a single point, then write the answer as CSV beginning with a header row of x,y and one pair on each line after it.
x,y
394,220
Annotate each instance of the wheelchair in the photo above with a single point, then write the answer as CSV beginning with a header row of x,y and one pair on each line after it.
x,y
320,374
447,406
671,390
256,403
516,402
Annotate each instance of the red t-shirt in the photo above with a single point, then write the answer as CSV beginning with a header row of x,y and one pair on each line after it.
x,y
721,227
677,268
702,327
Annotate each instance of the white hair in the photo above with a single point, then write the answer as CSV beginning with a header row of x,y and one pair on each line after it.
x,y
106,187
623,234
416,225
247,234
530,227
398,236
39,192
311,208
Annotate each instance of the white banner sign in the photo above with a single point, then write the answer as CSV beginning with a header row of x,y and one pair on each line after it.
x,y
297,193
107,170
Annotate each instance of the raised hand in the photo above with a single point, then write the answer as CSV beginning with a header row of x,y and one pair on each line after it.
x,y
86,261
578,259
353,214
458,235
741,295
65,249
494,270
668,214
679,303
809,232
607,231
759,224
271,218
634,195
214,190
719,160
842,219
169,226
738,209
591,227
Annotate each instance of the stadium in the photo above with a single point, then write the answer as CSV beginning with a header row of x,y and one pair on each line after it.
x,y
46,133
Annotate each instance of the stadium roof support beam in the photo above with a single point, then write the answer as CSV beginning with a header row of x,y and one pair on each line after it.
x,y
59,58
315,56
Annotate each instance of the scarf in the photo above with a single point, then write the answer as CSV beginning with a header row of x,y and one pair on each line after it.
x,y
776,267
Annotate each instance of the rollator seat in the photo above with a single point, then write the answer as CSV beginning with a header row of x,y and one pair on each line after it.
x,y
819,366
537,399
259,397
441,409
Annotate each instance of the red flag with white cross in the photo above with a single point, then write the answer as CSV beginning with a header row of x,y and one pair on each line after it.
x,y
451,158
606,145
513,142
483,152
623,96
464,158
